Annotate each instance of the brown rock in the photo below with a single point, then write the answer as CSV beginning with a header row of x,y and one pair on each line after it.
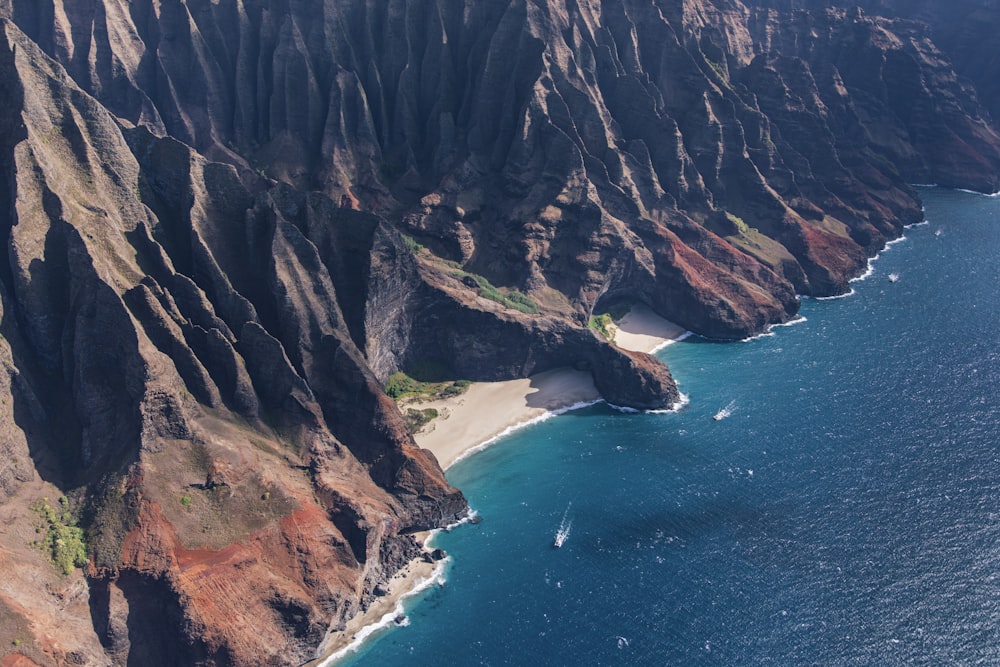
x,y
204,283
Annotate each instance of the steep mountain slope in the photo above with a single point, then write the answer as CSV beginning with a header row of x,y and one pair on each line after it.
x,y
206,280
967,31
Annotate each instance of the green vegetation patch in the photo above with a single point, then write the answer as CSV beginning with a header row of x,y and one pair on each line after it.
x,y
417,419
412,245
604,325
401,386
742,226
64,541
456,388
511,299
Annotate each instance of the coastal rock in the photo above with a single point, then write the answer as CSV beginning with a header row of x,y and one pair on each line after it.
x,y
119,321
225,225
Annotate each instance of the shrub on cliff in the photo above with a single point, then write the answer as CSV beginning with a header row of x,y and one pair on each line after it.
x,y
604,325
63,540
400,384
514,299
417,419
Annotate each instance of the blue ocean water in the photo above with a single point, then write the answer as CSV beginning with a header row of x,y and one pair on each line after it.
x,y
847,512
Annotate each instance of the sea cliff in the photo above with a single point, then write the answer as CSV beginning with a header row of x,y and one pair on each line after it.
x,y
227,224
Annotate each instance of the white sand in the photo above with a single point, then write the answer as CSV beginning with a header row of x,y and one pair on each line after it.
x,y
381,613
488,409
643,330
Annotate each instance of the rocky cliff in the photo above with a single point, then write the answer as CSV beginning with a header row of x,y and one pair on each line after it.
x,y
966,31
227,223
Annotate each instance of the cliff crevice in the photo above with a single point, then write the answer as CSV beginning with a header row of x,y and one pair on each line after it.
x,y
226,224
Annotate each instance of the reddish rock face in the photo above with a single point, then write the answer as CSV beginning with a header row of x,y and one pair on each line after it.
x,y
205,280
17,660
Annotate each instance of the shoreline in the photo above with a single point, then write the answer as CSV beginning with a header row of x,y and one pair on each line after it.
x,y
519,403
488,411
415,577
471,422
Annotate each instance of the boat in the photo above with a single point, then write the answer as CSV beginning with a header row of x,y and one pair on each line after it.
x,y
938,232
564,526
724,412
893,277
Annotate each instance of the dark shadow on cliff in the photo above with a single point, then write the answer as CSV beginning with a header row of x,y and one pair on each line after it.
x,y
140,622
550,391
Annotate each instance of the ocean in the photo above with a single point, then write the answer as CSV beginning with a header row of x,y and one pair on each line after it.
x,y
845,512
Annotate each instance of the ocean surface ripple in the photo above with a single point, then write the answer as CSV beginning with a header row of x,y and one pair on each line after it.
x,y
845,512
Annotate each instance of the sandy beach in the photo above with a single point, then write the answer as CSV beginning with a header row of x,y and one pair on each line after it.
x,y
642,330
383,612
490,409
473,420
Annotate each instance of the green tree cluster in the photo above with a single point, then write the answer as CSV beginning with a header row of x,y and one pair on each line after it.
x,y
513,299
64,540
604,325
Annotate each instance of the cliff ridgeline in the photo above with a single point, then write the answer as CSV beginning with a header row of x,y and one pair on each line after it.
x,y
226,223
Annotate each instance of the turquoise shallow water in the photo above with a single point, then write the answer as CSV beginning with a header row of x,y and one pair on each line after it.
x,y
847,512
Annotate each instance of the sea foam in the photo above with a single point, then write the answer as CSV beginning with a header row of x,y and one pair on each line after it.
x,y
389,618
682,401
867,273
667,343
981,194
522,424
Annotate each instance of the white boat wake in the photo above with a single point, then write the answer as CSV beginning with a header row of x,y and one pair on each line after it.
x,y
724,412
564,527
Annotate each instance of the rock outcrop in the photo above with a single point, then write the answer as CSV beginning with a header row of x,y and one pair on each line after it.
x,y
177,364
226,224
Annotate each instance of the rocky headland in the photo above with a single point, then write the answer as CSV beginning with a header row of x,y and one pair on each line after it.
x,y
226,224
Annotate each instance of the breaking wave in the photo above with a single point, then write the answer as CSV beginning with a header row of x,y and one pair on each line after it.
x,y
389,618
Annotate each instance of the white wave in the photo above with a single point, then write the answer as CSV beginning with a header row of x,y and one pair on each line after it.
x,y
923,222
771,327
869,269
971,192
981,194
388,619
667,343
680,403
835,296
523,424
749,339
683,400
570,408
790,323
893,242
469,517
867,273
